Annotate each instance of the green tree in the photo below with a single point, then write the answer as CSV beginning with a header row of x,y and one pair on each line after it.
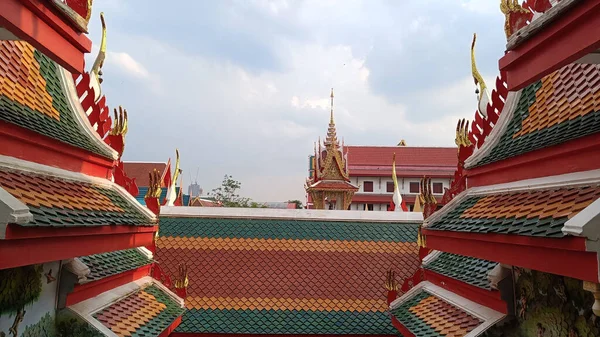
x,y
297,202
227,193
19,287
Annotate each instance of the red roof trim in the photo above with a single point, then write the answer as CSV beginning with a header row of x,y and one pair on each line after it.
x,y
82,292
574,156
488,298
573,35
31,246
566,256
31,146
34,22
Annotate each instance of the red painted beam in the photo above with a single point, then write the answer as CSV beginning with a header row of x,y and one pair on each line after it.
x,y
31,146
571,36
171,328
41,31
16,232
22,252
82,292
488,298
574,156
566,256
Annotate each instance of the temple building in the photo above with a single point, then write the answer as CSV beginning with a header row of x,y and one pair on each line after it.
x,y
329,187
76,247
360,177
515,250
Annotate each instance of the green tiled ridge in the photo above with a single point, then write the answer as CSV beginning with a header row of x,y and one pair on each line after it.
x,y
58,217
287,229
547,227
112,263
410,321
163,320
508,147
285,322
66,129
463,268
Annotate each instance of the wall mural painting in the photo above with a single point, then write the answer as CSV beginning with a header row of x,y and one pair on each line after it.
x,y
549,305
27,300
69,324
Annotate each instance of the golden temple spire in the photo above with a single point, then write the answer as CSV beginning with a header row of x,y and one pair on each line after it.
x,y
482,94
331,118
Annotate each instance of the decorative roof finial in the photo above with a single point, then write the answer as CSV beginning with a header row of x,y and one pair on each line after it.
x,y
96,68
402,143
331,118
483,97
515,16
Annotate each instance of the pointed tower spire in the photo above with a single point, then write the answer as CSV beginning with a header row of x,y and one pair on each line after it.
x,y
331,139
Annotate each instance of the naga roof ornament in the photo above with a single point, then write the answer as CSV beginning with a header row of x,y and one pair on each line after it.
x,y
96,71
516,16
172,192
483,97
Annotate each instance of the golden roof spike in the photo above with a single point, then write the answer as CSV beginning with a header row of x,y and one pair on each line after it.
x,y
477,78
102,52
331,118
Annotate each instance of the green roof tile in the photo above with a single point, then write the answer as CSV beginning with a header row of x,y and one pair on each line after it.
x,y
463,268
285,322
287,229
112,263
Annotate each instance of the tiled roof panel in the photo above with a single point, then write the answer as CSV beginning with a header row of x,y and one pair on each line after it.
x,y
286,277
140,171
405,156
31,97
143,190
564,105
463,268
426,315
147,312
58,202
286,229
112,263
531,213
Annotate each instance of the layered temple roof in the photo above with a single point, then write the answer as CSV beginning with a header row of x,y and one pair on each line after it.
x,y
466,269
261,273
112,263
430,311
563,106
143,307
531,212
34,96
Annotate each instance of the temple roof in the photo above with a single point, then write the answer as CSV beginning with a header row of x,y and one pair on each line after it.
x,y
262,273
561,107
140,308
467,269
40,96
430,311
113,263
405,156
333,185
140,170
61,198
541,207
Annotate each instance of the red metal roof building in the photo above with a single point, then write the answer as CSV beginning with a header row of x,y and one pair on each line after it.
x,y
515,250
370,168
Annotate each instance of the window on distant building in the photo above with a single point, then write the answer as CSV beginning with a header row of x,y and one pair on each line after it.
x,y
414,187
368,186
390,186
438,188
369,207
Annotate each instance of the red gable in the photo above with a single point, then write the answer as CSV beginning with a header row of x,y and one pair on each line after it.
x,y
410,161
140,171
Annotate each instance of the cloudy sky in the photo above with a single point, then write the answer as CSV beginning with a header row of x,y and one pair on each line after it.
x,y
241,87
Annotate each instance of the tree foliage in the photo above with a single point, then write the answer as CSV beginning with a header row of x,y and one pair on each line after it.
x,y
19,287
227,193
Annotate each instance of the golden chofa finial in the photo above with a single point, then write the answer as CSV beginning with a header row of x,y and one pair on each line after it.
x,y
402,143
482,94
96,68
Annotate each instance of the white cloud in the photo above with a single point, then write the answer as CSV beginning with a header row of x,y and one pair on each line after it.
x,y
126,63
